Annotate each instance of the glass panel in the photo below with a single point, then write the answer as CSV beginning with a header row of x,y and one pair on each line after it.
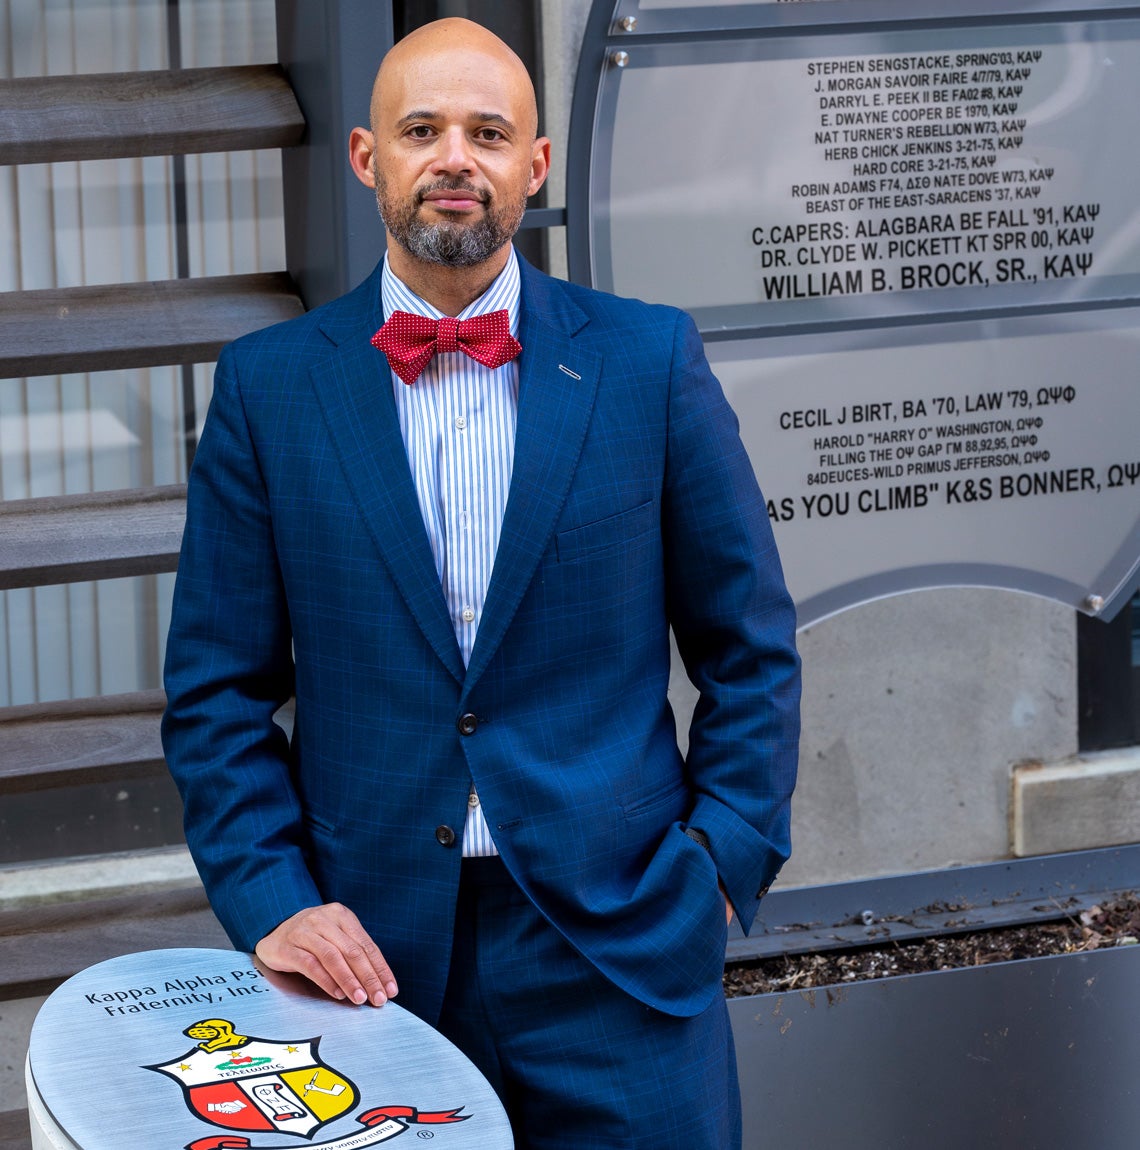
x,y
877,174
655,17
105,222
83,639
113,221
102,431
947,455
70,37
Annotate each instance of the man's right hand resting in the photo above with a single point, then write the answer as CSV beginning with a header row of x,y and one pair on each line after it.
x,y
328,946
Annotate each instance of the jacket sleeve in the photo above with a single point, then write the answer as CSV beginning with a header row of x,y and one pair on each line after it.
x,y
229,668
734,624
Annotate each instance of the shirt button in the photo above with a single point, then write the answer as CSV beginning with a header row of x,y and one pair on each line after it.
x,y
460,422
467,724
468,615
445,836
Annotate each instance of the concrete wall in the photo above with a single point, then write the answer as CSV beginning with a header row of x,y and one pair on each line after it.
x,y
916,710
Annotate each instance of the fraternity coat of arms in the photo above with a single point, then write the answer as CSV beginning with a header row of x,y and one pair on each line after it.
x,y
260,1086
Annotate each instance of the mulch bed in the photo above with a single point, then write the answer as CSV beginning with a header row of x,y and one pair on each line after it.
x,y
1116,923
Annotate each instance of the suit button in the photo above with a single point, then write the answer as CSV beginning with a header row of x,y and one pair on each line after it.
x,y
467,724
445,836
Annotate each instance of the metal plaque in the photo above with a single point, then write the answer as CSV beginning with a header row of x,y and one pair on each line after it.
x,y
756,181
203,1049
686,16
998,453
913,252
683,16
650,5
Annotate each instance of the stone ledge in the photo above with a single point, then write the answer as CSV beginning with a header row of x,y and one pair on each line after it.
x,y
42,946
96,877
15,1131
1082,803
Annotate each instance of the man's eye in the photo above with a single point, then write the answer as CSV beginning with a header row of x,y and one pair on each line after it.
x,y
419,131
490,134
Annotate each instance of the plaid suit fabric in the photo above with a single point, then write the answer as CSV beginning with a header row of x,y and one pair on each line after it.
x,y
632,503
578,1063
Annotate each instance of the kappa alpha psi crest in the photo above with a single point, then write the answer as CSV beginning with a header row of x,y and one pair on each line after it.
x,y
260,1086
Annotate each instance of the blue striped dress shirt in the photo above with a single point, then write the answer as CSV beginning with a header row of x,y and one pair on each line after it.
x,y
458,423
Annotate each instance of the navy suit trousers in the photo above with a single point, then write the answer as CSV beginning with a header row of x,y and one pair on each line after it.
x,y
579,1063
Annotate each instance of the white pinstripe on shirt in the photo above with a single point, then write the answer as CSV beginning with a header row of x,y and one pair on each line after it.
x,y
458,423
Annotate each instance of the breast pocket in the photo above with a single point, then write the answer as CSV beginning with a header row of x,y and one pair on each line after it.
x,y
618,530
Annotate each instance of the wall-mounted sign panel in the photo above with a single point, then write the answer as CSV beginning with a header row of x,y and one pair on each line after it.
x,y
654,17
1002,454
760,181
913,250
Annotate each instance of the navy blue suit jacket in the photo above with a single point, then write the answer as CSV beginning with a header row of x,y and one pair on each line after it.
x,y
306,570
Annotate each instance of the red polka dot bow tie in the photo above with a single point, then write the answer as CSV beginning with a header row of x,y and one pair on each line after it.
x,y
409,341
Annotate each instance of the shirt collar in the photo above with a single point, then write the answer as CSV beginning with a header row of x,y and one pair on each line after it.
x,y
503,292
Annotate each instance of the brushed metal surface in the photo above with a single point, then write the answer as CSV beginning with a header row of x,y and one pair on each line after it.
x,y
272,1063
1039,1054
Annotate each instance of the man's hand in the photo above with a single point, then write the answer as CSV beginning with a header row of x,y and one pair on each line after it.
x,y
328,946
727,904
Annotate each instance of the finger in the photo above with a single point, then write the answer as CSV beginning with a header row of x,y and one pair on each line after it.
x,y
367,963
349,955
341,946
330,954
328,946
727,903
289,958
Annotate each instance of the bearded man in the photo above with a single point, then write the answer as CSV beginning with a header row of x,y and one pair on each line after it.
x,y
455,514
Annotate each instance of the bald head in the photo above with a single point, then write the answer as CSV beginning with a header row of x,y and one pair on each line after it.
x,y
453,154
467,53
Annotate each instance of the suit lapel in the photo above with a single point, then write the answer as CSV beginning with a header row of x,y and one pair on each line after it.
x,y
558,380
354,390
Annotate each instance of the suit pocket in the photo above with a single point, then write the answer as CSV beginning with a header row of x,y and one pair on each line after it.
x,y
321,826
673,799
601,535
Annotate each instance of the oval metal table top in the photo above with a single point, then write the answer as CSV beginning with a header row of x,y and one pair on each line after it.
x,y
206,1050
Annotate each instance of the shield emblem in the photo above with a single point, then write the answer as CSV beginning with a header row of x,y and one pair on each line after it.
x,y
259,1085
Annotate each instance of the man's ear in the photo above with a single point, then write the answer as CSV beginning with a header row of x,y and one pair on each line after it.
x,y
361,148
539,165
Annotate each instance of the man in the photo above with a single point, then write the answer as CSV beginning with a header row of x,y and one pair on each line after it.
x,y
482,805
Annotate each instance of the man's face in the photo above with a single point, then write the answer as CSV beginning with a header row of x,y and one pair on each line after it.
x,y
455,155
459,238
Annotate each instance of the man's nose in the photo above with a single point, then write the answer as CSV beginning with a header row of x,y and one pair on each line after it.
x,y
454,153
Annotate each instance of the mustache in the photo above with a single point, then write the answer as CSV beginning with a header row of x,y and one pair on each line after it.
x,y
452,185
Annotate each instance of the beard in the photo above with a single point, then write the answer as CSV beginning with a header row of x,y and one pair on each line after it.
x,y
457,244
